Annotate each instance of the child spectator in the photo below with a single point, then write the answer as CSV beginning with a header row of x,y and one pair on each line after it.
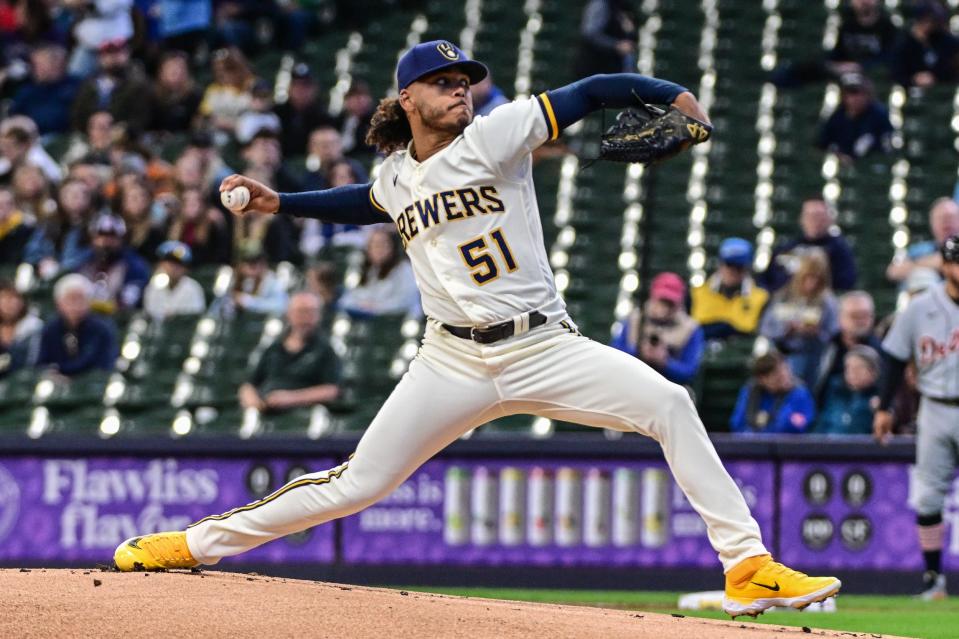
x,y
171,291
661,334
847,407
75,340
386,283
201,227
773,401
802,317
860,124
19,331
730,303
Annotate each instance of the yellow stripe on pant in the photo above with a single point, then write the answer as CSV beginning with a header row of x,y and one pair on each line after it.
x,y
333,474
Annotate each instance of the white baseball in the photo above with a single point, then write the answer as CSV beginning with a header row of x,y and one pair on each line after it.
x,y
235,199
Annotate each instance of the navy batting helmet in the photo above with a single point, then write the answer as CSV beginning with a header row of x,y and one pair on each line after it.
x,y
950,250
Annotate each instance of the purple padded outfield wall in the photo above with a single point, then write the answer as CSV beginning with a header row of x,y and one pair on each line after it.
x,y
555,512
62,509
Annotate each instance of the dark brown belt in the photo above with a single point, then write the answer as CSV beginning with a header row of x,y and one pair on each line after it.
x,y
496,332
948,401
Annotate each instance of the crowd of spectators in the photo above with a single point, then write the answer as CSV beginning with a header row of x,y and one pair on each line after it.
x,y
91,92
115,227
818,344
869,46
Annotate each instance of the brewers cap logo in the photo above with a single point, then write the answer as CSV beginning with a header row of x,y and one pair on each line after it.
x,y
448,51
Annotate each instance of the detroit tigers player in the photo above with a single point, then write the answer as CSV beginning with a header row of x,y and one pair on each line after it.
x,y
927,332
498,340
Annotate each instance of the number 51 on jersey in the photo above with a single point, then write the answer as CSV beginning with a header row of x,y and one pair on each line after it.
x,y
478,257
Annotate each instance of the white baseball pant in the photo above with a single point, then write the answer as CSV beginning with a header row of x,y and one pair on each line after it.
x,y
454,385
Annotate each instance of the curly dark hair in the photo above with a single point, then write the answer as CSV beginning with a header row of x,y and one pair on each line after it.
x,y
389,129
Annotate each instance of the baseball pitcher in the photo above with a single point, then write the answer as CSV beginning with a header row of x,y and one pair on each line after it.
x,y
498,340
927,333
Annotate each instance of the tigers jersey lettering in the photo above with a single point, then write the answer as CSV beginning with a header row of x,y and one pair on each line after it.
x,y
480,184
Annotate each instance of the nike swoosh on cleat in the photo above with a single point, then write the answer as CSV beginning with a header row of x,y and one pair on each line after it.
x,y
773,588
133,543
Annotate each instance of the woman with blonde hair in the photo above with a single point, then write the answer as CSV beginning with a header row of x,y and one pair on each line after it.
x,y
803,316
230,93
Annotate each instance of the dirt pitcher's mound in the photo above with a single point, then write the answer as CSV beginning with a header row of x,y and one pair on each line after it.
x,y
71,603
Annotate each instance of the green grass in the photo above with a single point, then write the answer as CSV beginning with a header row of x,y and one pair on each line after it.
x,y
901,616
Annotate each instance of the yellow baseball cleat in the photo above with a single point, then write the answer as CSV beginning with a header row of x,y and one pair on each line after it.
x,y
159,551
759,583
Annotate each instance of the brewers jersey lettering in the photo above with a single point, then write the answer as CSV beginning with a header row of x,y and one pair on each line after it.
x,y
469,220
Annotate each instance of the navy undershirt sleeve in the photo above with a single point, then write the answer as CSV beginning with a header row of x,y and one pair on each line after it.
x,y
350,204
893,371
575,101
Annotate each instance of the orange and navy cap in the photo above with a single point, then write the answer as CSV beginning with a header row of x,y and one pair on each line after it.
x,y
427,57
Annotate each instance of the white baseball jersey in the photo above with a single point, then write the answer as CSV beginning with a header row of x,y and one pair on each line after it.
x,y
469,220
927,331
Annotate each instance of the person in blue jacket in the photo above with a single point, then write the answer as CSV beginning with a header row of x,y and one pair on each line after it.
x,y
819,233
662,334
860,125
75,340
773,401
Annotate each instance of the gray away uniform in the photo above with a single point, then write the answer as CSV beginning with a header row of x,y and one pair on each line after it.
x,y
927,332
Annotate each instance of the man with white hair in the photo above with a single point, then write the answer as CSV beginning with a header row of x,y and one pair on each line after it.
x,y
943,224
75,341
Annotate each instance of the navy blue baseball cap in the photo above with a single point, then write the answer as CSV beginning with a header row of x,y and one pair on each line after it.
x,y
736,251
427,57
175,252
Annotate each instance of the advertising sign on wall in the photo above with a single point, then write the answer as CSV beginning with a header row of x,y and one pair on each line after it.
x,y
68,509
627,513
